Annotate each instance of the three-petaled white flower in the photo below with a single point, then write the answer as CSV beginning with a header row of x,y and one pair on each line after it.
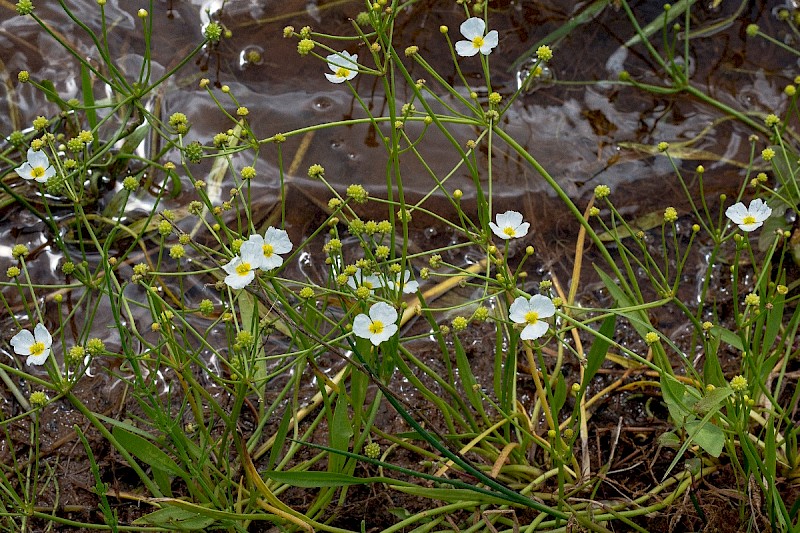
x,y
343,65
472,29
749,218
35,345
37,167
530,312
274,242
379,326
408,285
359,279
242,268
510,225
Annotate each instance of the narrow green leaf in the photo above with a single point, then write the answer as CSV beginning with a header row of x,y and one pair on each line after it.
x,y
148,452
341,432
175,518
597,353
316,479
467,377
88,97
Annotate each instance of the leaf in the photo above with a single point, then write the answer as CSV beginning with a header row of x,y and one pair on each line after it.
x,y
148,452
315,479
88,97
340,433
597,353
680,401
712,401
730,338
175,518
466,375
708,436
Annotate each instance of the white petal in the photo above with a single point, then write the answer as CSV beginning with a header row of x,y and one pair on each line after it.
x,y
38,359
760,210
542,305
410,287
334,79
41,334
466,48
751,227
519,307
489,42
472,27
22,342
385,335
509,218
522,229
497,230
534,331
279,240
736,212
361,325
383,312
24,171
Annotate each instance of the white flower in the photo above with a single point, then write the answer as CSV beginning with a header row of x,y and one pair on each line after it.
x,y
409,287
472,29
37,167
359,279
274,242
529,312
379,326
510,225
749,218
242,268
343,65
35,345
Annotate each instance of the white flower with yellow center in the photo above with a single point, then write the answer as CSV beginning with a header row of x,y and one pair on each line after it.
x,y
472,29
242,268
408,285
343,65
509,225
269,247
35,345
379,326
531,312
749,218
359,279
37,167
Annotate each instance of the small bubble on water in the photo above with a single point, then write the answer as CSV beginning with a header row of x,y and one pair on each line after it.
x,y
322,103
251,56
531,77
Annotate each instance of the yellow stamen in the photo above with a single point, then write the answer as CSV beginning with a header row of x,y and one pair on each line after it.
x,y
531,317
243,269
267,249
37,348
342,72
477,42
37,172
508,230
749,219
376,327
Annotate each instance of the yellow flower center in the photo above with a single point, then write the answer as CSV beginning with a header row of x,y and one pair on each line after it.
x,y
531,317
508,230
37,172
376,327
749,219
37,348
342,72
243,269
477,42
367,284
267,249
